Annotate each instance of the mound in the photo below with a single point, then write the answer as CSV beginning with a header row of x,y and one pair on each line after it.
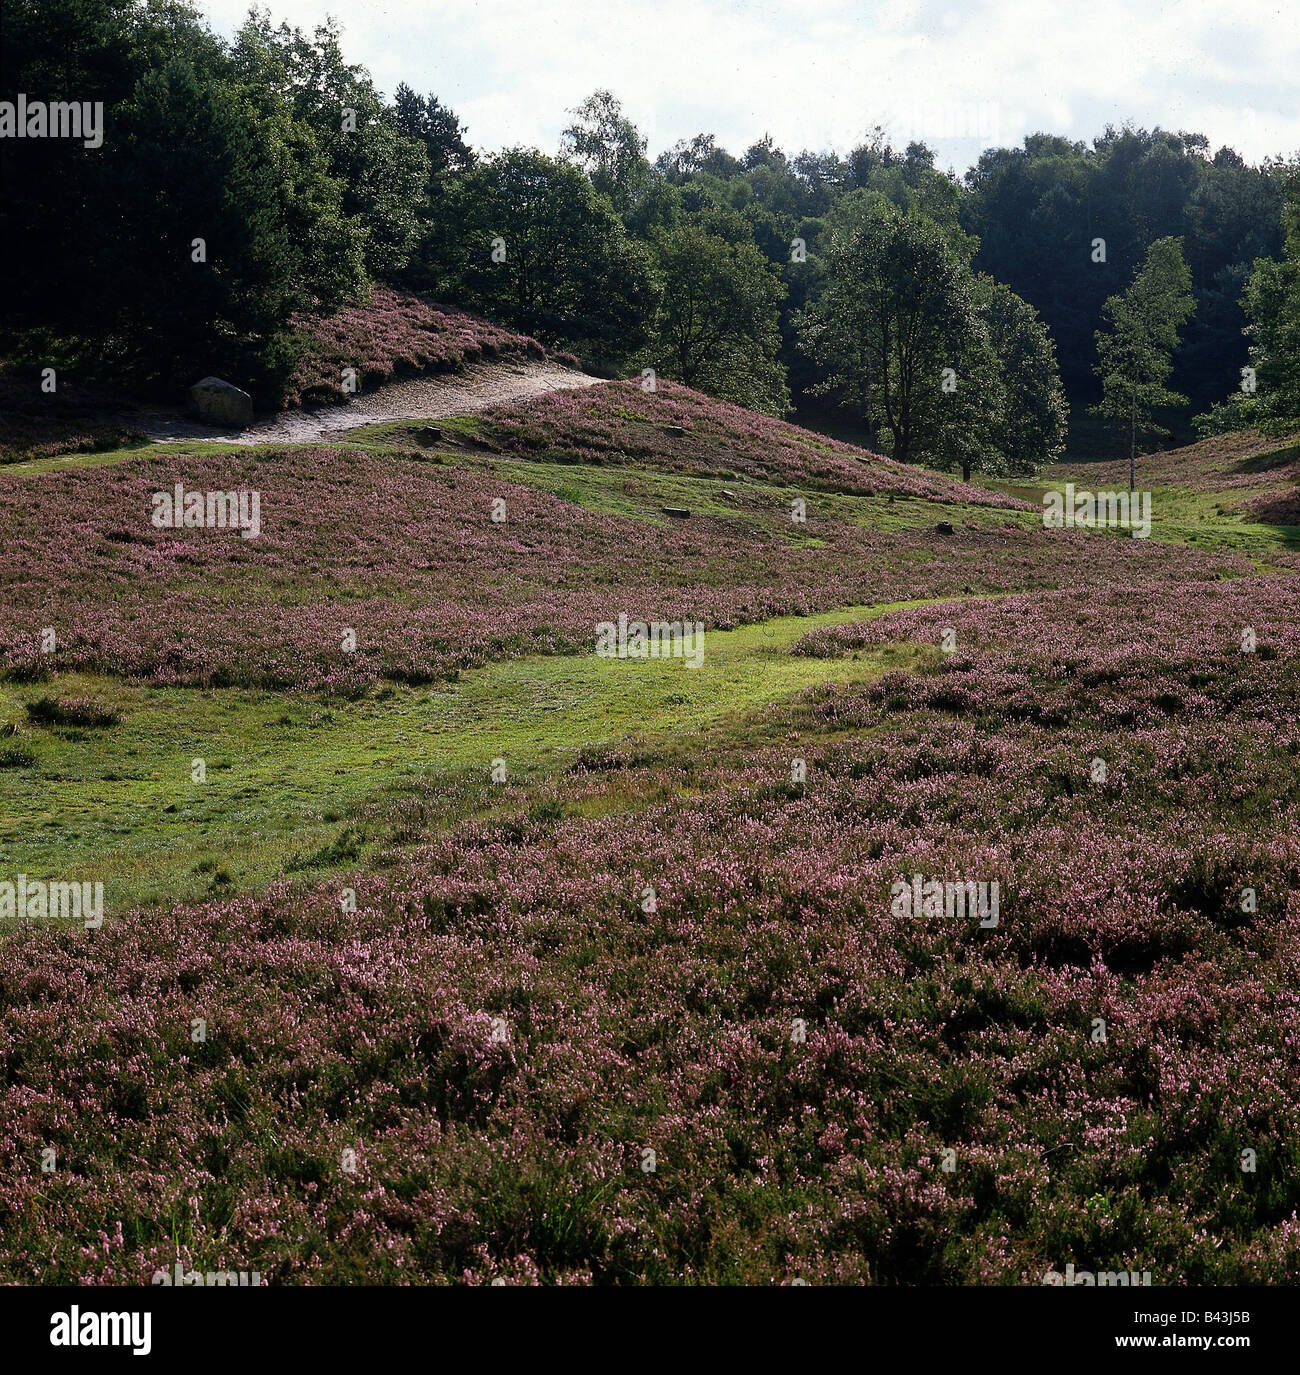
x,y
392,335
619,423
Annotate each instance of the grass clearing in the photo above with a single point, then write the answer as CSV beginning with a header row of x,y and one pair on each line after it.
x,y
287,775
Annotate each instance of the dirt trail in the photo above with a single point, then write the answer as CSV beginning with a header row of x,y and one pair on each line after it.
x,y
419,398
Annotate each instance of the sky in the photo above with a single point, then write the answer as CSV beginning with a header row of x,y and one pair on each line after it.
x,y
819,74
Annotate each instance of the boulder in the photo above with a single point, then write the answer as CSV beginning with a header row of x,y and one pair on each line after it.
x,y
222,403
677,431
944,528
679,511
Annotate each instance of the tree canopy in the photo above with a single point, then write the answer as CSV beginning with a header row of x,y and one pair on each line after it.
x,y
959,318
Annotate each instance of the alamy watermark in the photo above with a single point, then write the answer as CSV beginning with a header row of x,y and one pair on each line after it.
x,y
1072,510
210,1278
651,640
934,897
75,1328
240,511
23,118
29,900
978,121
1102,1279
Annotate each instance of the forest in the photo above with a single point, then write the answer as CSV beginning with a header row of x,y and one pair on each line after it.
x,y
809,283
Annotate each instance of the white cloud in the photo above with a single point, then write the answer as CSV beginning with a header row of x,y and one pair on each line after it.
x,y
819,73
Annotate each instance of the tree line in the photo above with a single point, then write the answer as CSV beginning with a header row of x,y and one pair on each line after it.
x,y
242,183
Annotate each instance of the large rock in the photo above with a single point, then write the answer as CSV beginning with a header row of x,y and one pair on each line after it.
x,y
222,403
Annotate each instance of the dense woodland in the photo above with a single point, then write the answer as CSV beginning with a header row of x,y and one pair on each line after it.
x,y
960,319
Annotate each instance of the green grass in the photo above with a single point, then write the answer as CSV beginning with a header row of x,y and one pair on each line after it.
x,y
294,782
1206,520
288,778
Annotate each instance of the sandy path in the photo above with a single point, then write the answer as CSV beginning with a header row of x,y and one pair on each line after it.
x,y
418,398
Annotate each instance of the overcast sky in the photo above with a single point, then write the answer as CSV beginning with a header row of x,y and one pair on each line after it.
x,y
819,73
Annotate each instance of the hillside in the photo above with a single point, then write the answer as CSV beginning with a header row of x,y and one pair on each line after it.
x,y
621,423
599,909
394,334
1248,474
400,526
343,359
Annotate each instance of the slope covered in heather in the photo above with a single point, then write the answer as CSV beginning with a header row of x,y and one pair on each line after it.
x,y
604,907
393,537
394,334
621,423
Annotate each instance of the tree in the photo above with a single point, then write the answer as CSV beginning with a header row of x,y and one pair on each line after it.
x,y
896,310
1030,427
1003,409
53,192
1135,358
192,152
972,403
383,172
1269,393
609,149
532,243
426,120
690,157
1273,309
254,189
717,321
1065,225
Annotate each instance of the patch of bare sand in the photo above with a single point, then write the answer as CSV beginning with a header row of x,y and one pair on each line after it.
x,y
432,397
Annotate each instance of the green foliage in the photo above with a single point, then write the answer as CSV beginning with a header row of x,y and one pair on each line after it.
x,y
1272,306
529,241
716,323
383,173
1038,209
304,183
239,147
610,150
429,121
896,310
1030,428
221,156
1135,358
957,368
918,188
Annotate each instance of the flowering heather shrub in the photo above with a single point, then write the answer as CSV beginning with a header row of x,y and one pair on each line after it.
x,y
1068,636
406,554
502,1029
617,422
392,334
73,419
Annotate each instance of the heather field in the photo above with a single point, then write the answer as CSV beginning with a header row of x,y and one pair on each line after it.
x,y
1245,473
649,650
397,543
622,424
517,963
393,333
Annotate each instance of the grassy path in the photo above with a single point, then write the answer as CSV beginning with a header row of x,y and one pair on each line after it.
x,y
285,776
